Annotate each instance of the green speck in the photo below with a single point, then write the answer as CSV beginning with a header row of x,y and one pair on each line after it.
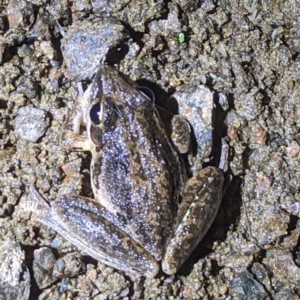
x,y
181,37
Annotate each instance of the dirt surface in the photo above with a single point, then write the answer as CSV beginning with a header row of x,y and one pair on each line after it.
x,y
245,52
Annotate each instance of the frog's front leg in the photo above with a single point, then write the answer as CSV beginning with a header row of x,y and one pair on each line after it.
x,y
71,137
90,226
201,201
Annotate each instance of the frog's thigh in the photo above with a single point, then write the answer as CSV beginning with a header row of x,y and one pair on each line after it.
x,y
203,194
88,225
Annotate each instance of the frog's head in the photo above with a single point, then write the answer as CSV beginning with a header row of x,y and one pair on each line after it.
x,y
114,101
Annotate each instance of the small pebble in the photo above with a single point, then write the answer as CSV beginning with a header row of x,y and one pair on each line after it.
x,y
31,123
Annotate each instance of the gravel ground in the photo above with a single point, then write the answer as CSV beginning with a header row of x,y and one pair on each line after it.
x,y
245,53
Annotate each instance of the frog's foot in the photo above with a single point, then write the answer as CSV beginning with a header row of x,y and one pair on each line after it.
x,y
102,235
202,198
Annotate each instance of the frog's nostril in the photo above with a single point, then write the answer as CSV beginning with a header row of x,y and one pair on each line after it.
x,y
95,114
147,92
117,111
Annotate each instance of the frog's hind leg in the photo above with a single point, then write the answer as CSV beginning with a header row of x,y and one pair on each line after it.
x,y
93,229
201,201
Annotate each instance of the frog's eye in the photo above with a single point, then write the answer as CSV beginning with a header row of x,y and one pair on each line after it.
x,y
147,92
95,114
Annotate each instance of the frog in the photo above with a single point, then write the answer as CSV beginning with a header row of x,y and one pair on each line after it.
x,y
147,215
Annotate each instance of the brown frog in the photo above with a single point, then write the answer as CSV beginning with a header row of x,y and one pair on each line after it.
x,y
145,213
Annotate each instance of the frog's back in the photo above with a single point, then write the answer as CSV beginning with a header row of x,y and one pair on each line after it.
x,y
137,173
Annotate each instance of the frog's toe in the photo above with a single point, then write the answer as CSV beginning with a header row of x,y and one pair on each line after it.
x,y
169,265
35,202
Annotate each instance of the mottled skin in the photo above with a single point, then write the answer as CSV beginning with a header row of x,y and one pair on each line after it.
x,y
144,213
